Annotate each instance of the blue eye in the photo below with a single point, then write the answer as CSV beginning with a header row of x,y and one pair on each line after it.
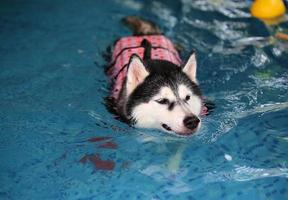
x,y
163,101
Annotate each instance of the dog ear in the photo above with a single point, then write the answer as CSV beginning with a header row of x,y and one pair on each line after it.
x,y
190,67
136,74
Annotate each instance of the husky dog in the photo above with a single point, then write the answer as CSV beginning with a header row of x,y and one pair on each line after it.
x,y
151,87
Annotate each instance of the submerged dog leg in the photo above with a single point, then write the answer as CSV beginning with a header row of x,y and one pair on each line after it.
x,y
175,160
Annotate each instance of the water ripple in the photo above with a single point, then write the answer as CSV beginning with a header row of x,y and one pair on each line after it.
x,y
245,173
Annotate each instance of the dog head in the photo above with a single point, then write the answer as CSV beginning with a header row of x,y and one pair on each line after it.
x,y
163,96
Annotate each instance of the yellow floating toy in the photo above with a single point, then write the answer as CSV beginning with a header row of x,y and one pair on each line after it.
x,y
268,9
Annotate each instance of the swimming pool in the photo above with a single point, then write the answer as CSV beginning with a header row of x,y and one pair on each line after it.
x,y
59,142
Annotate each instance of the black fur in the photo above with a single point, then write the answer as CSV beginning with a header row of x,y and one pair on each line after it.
x,y
147,46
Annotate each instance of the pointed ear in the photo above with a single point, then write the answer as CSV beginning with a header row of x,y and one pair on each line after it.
x,y
136,74
190,67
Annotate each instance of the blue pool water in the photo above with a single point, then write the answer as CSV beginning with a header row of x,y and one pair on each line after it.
x,y
52,112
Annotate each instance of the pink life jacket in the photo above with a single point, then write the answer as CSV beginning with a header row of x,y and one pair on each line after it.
x,y
161,49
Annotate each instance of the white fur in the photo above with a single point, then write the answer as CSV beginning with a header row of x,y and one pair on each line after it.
x,y
167,93
136,74
194,104
190,68
153,114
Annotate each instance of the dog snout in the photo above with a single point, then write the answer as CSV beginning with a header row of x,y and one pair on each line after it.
x,y
191,122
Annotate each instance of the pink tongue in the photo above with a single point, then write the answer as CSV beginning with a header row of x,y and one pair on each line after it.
x,y
204,111
185,134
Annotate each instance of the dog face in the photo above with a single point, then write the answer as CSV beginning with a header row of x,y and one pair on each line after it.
x,y
164,96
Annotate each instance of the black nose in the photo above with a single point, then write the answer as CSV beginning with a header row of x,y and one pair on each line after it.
x,y
191,122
